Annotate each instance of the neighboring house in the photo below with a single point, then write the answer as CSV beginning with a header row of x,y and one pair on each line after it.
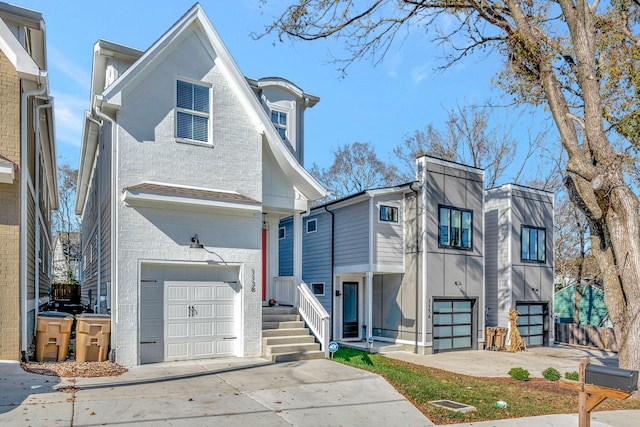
x,y
28,183
186,169
66,257
593,310
519,260
359,258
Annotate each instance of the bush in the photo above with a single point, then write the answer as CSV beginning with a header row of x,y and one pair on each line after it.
x,y
551,374
573,376
519,374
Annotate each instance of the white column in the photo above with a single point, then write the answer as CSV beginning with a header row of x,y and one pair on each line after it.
x,y
297,245
368,310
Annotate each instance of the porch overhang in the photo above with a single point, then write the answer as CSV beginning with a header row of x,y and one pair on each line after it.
x,y
154,194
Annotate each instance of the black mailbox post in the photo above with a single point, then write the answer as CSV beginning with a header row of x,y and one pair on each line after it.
x,y
616,378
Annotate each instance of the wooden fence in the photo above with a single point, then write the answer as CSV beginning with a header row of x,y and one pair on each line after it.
x,y
586,335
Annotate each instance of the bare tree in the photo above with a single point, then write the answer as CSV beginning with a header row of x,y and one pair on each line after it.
x,y
355,168
66,224
471,137
576,58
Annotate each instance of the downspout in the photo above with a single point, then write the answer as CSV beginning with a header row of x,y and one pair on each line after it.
x,y
114,235
24,174
38,215
333,252
99,205
417,257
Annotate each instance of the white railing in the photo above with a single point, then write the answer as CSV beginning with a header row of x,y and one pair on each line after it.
x,y
314,315
289,291
284,291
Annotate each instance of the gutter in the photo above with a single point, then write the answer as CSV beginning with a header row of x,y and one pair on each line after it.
x,y
24,175
99,228
333,252
417,256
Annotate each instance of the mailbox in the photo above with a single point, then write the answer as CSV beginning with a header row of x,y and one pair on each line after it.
x,y
616,378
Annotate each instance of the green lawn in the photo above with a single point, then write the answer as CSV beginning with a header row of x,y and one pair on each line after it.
x,y
421,384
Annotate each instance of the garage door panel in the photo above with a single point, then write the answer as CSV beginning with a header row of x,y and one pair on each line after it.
x,y
531,323
199,316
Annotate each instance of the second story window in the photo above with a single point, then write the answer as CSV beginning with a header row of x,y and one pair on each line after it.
x,y
312,225
533,243
282,233
192,111
279,120
455,228
388,213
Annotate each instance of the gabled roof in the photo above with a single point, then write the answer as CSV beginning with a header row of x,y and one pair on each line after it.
x,y
9,44
300,177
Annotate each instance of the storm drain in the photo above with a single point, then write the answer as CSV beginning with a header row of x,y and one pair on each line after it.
x,y
453,406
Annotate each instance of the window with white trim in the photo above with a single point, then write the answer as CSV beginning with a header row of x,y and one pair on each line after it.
x,y
532,243
192,111
388,213
279,120
282,233
312,225
317,289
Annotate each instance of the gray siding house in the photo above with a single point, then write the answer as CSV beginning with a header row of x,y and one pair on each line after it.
x,y
401,264
186,169
519,260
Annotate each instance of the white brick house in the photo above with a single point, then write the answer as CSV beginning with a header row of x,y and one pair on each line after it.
x,y
183,178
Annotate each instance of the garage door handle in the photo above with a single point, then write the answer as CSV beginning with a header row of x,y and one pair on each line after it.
x,y
229,338
147,342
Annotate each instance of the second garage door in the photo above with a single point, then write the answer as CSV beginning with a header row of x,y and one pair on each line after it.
x,y
200,320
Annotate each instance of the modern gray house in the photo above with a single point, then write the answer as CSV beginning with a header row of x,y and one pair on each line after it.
x,y
400,264
519,260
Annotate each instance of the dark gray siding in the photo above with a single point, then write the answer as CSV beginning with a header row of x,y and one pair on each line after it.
x,y
352,234
316,256
285,249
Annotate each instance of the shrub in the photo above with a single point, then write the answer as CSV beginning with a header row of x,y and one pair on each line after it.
x,y
519,374
573,376
551,374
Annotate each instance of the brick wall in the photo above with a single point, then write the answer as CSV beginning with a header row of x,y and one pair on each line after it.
x,y
9,214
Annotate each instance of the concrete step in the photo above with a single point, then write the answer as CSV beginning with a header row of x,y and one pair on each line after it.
x,y
281,325
280,317
285,332
279,310
289,357
291,348
291,339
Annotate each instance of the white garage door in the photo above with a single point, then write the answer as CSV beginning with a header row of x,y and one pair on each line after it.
x,y
200,320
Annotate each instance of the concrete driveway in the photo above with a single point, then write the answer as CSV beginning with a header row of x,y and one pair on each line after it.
x,y
221,392
485,363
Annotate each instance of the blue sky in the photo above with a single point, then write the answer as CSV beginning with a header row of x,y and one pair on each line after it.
x,y
380,105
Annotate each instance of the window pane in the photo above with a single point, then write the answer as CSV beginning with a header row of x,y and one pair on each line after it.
x,y
462,342
200,128
283,119
535,330
462,318
533,244
274,116
444,226
535,340
442,319
282,132
462,306
184,125
201,98
442,344
525,243
466,229
462,330
455,228
442,331
541,245
185,95
536,309
442,307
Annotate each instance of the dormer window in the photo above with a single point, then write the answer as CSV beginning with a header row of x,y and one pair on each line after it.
x,y
279,120
192,111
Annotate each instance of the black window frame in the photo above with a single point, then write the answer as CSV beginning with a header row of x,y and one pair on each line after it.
x,y
282,233
454,245
529,229
395,213
312,286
